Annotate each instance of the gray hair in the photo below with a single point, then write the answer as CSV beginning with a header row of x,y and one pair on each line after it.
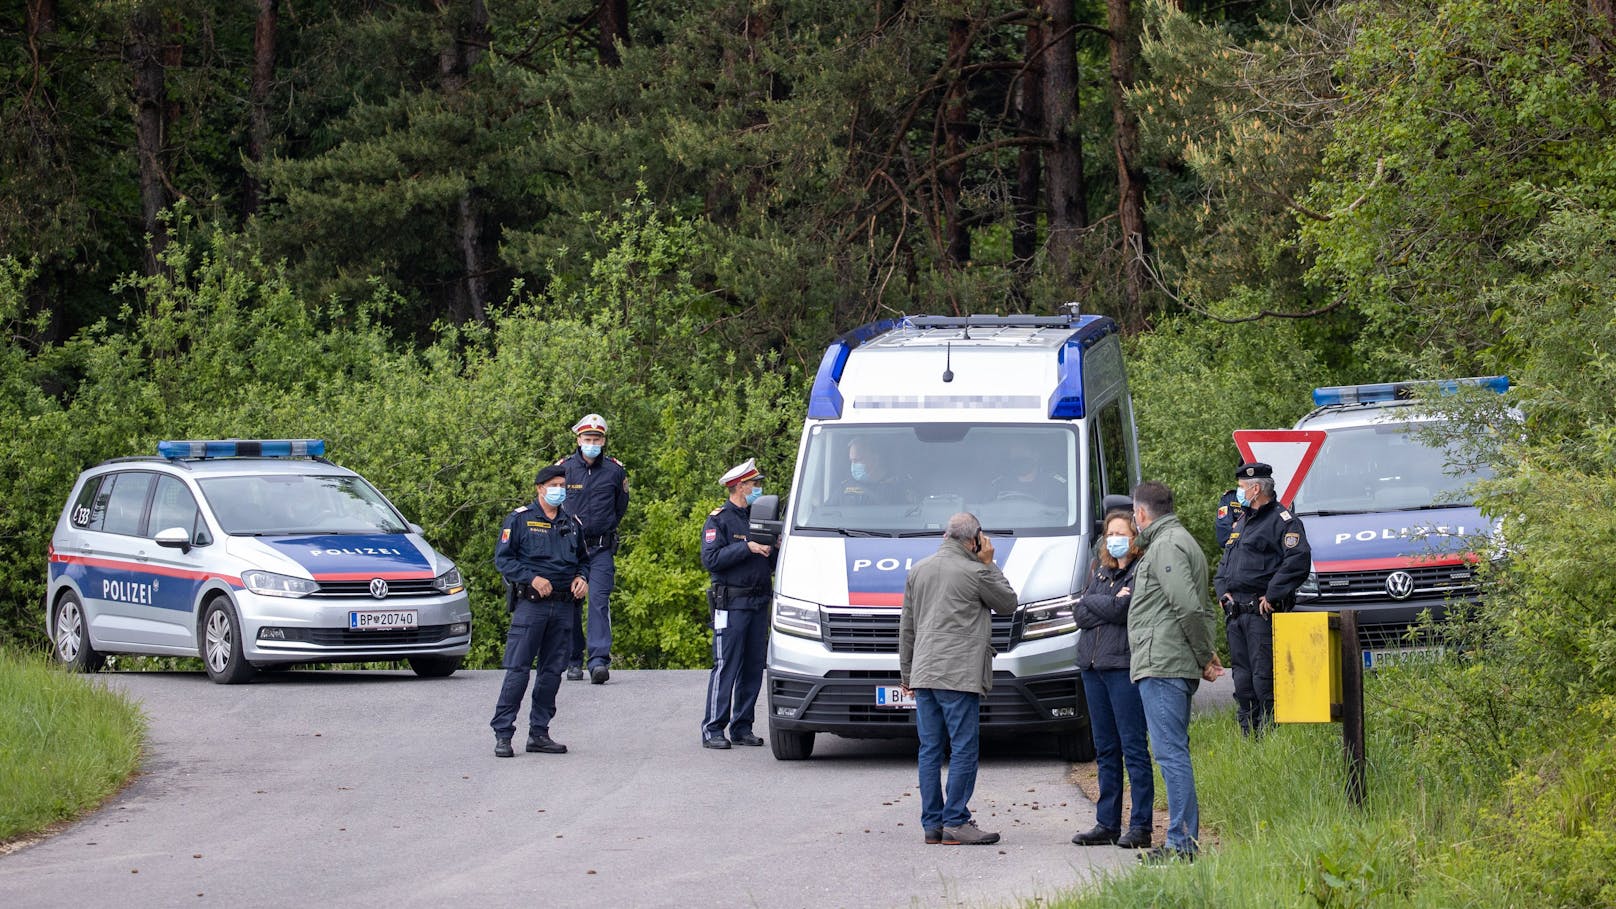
x,y
963,527
1265,486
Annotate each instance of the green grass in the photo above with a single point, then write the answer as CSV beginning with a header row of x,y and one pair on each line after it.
x,y
66,744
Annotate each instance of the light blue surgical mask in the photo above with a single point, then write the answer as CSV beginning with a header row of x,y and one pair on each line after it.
x,y
590,451
1117,545
1240,496
859,473
753,495
555,495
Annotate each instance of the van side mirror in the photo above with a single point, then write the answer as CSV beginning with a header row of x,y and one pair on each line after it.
x,y
174,538
764,526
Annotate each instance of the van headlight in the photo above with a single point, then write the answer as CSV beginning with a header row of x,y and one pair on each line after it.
x,y
270,584
449,581
1310,587
796,617
1047,617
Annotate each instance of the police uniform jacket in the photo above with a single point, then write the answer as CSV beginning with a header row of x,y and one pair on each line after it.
x,y
1102,614
1171,620
945,635
1267,555
1228,510
597,494
533,545
741,576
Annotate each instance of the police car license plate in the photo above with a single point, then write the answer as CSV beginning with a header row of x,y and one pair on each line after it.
x,y
894,696
1377,659
395,620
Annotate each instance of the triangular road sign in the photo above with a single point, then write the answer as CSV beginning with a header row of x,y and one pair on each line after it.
x,y
1289,451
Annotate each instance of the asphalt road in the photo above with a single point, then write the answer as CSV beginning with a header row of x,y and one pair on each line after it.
x,y
376,788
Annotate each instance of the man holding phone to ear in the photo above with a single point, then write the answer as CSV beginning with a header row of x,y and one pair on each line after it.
x,y
945,656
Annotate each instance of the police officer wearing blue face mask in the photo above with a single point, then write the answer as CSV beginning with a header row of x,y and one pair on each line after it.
x,y
597,495
540,554
742,588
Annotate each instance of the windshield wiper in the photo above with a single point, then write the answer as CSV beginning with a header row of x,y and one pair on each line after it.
x,y
907,534
850,533
1330,512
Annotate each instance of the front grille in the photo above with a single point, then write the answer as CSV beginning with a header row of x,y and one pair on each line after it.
x,y
1394,636
1430,582
877,632
414,587
342,637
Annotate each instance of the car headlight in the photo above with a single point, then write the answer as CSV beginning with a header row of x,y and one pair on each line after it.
x,y
449,581
1310,587
796,617
270,584
1047,617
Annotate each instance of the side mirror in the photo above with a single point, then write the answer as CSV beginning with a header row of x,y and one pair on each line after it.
x,y
415,528
764,526
174,538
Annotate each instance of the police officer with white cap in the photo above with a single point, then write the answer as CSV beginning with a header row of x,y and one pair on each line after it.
x,y
1265,560
740,595
597,495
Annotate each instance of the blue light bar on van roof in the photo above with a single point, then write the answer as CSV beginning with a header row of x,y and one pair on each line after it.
x,y
1401,391
243,448
825,399
1067,401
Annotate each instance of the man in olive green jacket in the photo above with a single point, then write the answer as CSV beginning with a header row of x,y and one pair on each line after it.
x,y
945,656
1171,624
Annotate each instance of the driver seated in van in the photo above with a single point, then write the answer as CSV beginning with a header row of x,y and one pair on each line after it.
x,y
1026,478
870,479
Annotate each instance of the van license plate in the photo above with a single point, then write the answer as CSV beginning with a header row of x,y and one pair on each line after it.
x,y
1376,659
396,620
894,696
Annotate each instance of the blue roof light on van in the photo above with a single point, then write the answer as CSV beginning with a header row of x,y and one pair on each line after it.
x,y
825,399
1067,401
242,448
1400,391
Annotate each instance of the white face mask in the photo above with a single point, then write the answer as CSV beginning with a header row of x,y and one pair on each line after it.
x,y
555,495
1117,545
590,451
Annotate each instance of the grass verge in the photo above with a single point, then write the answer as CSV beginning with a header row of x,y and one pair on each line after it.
x,y
66,744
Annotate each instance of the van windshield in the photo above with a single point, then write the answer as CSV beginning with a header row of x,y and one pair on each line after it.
x,y
1390,467
910,478
277,504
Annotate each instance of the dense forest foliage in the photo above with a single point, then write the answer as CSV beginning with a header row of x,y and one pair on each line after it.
x,y
434,234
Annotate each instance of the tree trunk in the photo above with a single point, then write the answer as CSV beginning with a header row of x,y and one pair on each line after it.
x,y
956,116
454,65
612,17
143,51
1124,41
1029,91
263,76
1063,152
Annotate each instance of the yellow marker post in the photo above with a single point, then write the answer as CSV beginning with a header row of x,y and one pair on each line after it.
x,y
1307,668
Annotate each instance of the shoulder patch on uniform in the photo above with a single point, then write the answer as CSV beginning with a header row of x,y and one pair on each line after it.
x,y
1291,539
715,511
559,463
614,460
505,535
1223,510
519,509
710,535
1285,514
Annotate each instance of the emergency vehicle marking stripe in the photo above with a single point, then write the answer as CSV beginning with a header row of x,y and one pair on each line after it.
x,y
865,598
1414,561
146,568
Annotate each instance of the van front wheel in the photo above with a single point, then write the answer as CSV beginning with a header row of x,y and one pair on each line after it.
x,y
790,746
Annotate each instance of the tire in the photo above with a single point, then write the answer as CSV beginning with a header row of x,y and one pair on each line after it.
x,y
1077,747
789,745
221,645
435,667
70,636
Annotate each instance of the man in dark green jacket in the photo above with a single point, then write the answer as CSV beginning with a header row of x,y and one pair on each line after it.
x,y
1170,634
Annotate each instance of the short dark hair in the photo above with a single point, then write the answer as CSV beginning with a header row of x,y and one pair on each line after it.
x,y
1154,497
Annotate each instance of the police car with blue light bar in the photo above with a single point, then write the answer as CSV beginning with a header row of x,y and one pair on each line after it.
x,y
251,554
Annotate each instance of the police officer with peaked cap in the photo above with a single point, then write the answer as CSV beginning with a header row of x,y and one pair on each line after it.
x,y
540,554
740,595
1265,560
597,495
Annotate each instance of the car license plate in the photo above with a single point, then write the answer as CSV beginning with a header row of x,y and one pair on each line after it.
x,y
394,620
1377,659
894,696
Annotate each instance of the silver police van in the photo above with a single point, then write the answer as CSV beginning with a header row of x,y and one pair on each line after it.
x,y
250,554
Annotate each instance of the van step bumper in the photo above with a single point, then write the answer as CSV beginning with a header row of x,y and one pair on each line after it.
x,y
843,703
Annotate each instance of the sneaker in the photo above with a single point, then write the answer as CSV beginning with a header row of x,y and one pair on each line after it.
x,y
598,675
502,748
1165,855
575,673
934,835
968,834
541,742
1137,838
1098,836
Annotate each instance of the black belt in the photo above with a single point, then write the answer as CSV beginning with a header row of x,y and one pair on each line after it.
x,y
601,541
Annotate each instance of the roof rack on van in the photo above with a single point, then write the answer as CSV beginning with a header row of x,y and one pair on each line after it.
x,y
991,321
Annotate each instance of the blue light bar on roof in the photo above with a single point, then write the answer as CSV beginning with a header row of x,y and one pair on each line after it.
x,y
1401,391
243,448
825,399
1067,401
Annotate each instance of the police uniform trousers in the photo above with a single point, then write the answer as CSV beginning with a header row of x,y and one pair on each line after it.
x,y
602,578
1251,655
740,643
540,631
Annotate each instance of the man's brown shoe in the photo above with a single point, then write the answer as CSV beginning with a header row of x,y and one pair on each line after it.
x,y
968,834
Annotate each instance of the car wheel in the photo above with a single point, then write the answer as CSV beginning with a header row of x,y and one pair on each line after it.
x,y
790,745
71,637
1077,747
221,645
435,667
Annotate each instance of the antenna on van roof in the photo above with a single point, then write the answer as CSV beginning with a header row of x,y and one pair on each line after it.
x,y
948,357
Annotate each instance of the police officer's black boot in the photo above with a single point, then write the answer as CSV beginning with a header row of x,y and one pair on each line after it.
x,y
502,747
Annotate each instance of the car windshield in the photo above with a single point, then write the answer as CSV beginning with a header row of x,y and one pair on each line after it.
x,y
276,504
1389,467
897,479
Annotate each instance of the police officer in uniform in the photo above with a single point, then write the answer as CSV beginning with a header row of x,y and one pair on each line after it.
x,y
1265,560
597,495
742,587
1228,510
540,554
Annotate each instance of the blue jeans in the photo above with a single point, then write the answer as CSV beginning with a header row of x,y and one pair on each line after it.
x,y
539,631
739,649
602,578
954,718
1167,715
1117,717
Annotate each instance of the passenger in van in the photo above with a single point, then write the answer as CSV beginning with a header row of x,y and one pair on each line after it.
x,y
1027,478
870,479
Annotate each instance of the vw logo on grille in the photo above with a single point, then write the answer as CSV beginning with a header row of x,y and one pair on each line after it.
x,y
378,588
1399,585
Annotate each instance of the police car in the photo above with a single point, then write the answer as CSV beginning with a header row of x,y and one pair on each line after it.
x,y
1389,514
250,554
